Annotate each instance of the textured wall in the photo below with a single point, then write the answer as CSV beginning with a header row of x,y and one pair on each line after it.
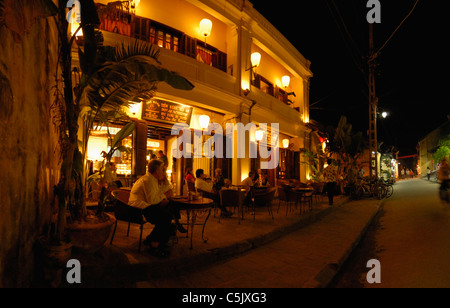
x,y
29,159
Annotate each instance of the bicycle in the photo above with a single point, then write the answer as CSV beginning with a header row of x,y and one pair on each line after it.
x,y
376,189
389,187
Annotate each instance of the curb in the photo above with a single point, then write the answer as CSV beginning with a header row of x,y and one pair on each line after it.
x,y
132,273
326,275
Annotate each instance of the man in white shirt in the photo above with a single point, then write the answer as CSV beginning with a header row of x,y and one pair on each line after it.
x,y
201,184
248,183
146,195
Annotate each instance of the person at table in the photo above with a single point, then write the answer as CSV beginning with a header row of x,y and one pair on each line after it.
x,y
261,179
202,184
226,184
330,176
219,180
189,177
248,182
147,195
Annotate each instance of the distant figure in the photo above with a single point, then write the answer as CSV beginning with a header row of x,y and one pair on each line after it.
x,y
330,176
428,173
361,173
163,158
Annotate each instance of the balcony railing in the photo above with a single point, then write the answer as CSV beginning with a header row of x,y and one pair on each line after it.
x,y
115,18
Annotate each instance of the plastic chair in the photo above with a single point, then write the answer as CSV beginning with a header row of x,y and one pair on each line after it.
x,y
125,212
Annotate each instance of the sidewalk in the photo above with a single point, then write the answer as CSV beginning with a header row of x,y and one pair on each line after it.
x,y
312,248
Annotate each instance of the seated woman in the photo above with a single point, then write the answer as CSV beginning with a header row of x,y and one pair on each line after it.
x,y
189,177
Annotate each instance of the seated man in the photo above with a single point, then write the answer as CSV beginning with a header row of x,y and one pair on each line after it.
x,y
201,184
146,195
247,184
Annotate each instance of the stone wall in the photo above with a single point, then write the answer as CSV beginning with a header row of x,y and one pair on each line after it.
x,y
29,154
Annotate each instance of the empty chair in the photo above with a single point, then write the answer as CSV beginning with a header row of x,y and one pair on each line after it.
x,y
265,198
233,198
125,212
306,199
190,186
285,195
318,190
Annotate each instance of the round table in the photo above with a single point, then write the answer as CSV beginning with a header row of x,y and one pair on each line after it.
x,y
196,207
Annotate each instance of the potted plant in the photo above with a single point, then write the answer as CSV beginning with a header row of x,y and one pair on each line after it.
x,y
111,77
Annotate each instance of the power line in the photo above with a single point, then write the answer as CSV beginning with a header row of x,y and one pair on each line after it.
x,y
392,35
346,36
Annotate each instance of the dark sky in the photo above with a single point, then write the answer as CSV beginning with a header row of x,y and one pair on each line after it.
x,y
412,76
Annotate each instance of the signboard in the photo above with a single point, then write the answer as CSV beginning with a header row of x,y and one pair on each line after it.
x,y
164,111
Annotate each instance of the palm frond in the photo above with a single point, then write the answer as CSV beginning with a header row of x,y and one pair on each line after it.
x,y
138,48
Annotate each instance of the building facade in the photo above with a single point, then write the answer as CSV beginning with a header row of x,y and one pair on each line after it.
x,y
244,71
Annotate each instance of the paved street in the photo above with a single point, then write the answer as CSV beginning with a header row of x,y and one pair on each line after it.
x,y
305,258
411,239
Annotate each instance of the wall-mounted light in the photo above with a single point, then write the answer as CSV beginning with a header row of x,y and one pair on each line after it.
x,y
255,59
204,121
134,108
245,85
259,134
286,143
285,81
205,28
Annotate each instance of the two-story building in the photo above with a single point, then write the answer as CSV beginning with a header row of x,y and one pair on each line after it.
x,y
244,71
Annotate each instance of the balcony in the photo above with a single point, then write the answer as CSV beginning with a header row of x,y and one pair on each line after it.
x,y
115,18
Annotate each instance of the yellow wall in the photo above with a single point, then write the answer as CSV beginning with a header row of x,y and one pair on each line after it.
x,y
183,16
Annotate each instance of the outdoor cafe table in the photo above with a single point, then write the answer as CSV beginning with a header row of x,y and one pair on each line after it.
x,y
302,190
196,207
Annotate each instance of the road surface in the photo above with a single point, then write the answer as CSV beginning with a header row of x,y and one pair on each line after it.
x,y
410,238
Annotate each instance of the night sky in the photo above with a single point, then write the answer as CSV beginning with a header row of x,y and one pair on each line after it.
x,y
412,75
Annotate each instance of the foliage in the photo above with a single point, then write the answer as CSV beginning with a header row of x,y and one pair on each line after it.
x,y
443,150
111,78
346,146
312,161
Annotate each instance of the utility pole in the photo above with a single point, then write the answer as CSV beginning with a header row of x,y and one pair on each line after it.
x,y
373,106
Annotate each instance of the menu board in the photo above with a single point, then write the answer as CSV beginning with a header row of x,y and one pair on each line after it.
x,y
160,110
